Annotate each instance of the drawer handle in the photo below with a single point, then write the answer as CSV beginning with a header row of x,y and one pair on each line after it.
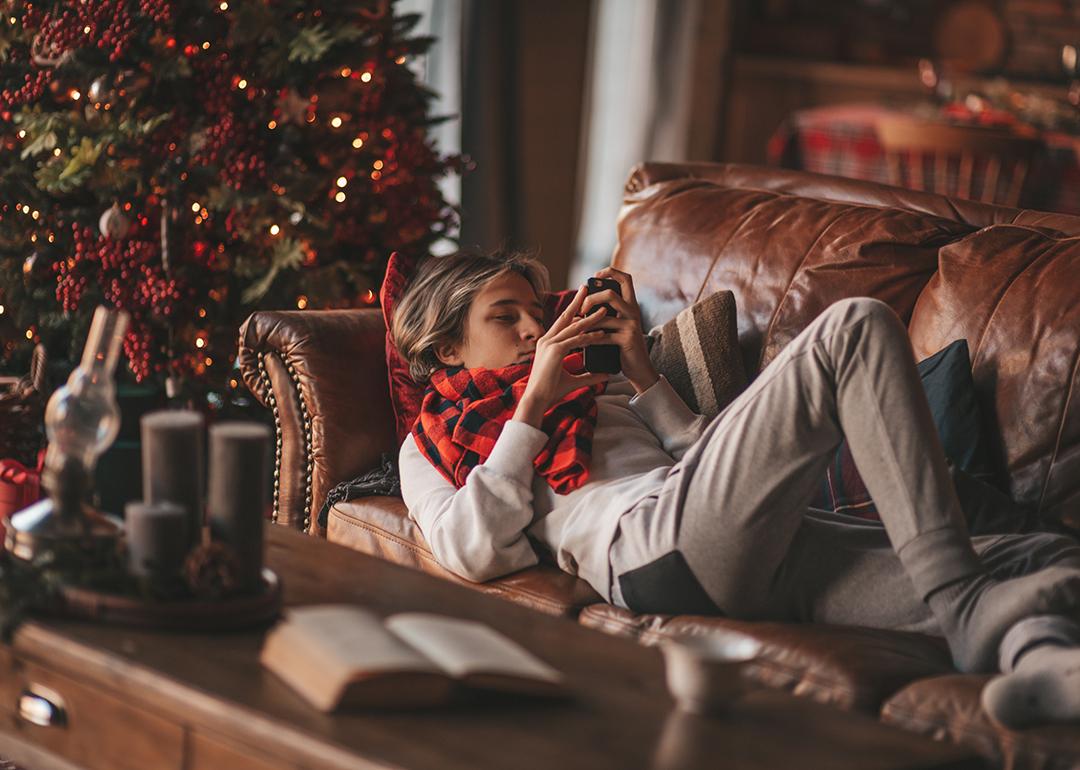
x,y
41,706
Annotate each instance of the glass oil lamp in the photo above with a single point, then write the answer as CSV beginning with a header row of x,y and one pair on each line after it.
x,y
81,421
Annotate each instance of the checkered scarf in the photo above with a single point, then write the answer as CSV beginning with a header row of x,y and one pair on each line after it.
x,y
464,410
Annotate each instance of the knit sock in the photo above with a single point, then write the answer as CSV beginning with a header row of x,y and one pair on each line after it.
x,y
975,612
1042,681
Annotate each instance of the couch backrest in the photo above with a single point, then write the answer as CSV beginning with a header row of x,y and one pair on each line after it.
x,y
788,244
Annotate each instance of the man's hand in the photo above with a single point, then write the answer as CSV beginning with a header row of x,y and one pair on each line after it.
x,y
625,329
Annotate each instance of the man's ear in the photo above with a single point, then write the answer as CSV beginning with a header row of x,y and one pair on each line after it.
x,y
448,354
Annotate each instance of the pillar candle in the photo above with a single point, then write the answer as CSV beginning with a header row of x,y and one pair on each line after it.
x,y
173,464
239,493
157,538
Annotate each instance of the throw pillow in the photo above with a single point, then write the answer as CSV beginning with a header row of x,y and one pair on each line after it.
x,y
950,391
698,352
405,393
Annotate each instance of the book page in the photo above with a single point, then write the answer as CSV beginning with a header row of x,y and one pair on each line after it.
x,y
346,638
464,648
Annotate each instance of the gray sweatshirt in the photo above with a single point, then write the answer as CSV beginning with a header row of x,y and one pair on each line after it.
x,y
482,530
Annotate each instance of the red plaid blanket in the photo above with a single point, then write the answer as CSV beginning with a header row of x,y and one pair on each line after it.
x,y
464,410
842,140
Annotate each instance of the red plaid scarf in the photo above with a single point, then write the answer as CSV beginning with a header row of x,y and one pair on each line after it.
x,y
464,410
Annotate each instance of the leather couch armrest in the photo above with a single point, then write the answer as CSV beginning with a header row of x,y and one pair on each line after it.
x,y
323,375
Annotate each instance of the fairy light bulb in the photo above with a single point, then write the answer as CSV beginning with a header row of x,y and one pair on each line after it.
x,y
340,197
274,229
342,181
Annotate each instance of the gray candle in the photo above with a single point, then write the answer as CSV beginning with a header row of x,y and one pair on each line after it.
x,y
173,464
157,538
238,493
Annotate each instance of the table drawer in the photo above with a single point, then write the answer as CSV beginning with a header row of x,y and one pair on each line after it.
x,y
93,728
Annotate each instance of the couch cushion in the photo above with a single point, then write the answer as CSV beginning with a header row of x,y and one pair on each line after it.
x,y
947,707
380,526
785,258
846,666
1011,292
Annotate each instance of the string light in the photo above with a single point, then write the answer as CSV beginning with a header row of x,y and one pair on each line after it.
x,y
29,334
196,207
206,45
200,342
342,181
22,133
340,197
224,6
208,361
274,229
56,152
272,125
2,309
358,143
202,312
399,60
33,237
301,302
336,122
86,30
242,84
75,94
377,165
345,72
365,77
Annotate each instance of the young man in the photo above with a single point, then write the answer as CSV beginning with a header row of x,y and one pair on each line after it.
x,y
661,510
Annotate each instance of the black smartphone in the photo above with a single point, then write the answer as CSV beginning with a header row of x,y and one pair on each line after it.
x,y
602,358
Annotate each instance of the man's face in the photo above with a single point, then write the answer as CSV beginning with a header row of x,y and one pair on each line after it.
x,y
504,322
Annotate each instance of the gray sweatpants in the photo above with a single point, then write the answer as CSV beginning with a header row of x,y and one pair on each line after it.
x,y
732,523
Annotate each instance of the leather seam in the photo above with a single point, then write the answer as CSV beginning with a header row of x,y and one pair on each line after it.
x,y
767,335
427,555
720,248
1061,427
997,306
380,532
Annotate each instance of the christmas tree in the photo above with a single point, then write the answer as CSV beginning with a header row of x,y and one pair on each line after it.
x,y
190,162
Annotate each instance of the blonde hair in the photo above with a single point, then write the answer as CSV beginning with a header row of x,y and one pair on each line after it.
x,y
433,310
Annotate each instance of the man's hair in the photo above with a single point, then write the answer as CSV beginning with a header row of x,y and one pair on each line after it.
x,y
433,310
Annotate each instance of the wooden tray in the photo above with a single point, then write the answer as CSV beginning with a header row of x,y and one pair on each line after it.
x,y
183,615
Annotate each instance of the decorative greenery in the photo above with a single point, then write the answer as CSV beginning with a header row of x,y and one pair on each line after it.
x,y
28,587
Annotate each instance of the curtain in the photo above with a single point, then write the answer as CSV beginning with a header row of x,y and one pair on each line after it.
x,y
638,107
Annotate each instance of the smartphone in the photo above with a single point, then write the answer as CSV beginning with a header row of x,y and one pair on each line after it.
x,y
602,358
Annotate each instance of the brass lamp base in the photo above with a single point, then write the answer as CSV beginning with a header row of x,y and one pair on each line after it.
x,y
39,528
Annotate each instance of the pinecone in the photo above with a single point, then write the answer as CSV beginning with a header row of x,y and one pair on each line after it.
x,y
210,571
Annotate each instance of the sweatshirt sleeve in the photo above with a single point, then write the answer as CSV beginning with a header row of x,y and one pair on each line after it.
x,y
478,531
668,416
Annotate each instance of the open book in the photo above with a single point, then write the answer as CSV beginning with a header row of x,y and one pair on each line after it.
x,y
340,656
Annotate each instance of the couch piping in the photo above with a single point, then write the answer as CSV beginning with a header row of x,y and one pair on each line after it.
x,y
305,425
1061,427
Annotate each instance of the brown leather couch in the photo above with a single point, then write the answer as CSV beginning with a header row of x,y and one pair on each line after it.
x,y
788,244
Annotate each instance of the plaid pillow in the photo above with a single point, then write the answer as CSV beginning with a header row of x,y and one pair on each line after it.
x,y
698,352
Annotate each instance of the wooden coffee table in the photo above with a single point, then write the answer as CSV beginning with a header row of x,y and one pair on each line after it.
x,y
142,700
